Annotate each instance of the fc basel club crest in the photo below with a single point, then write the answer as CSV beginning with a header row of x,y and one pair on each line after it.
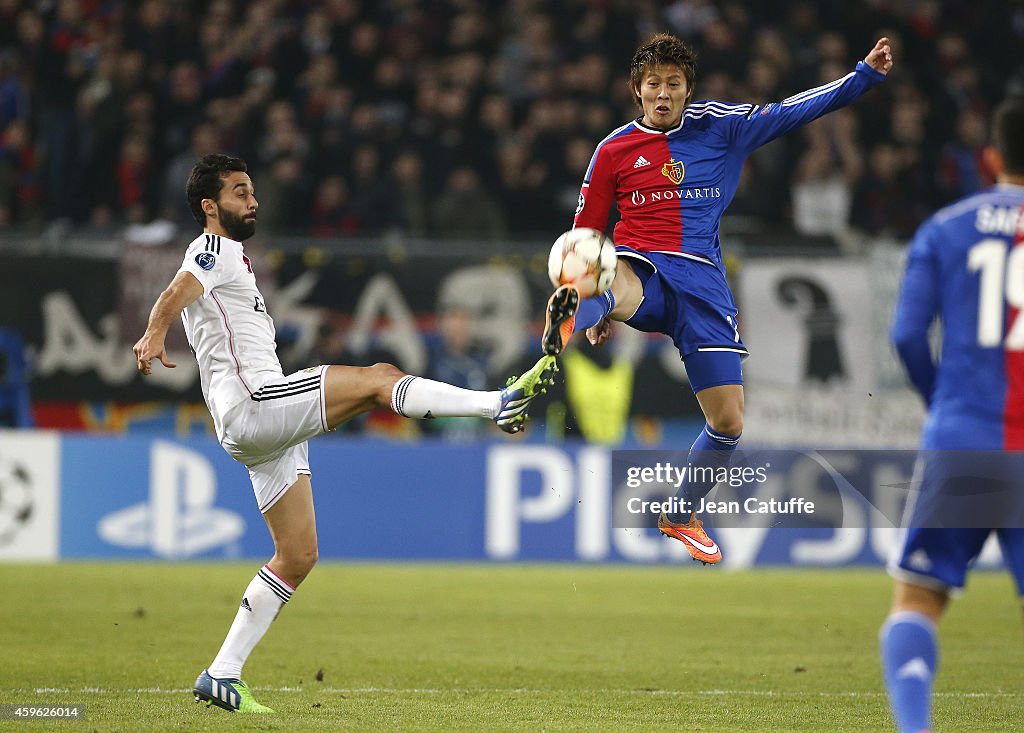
x,y
674,171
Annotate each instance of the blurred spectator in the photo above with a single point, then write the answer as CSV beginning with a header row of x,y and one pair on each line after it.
x,y
235,128
961,167
364,43
329,347
308,91
878,208
689,19
181,105
19,175
453,358
566,197
719,49
8,22
519,184
152,32
371,201
496,125
394,92
332,214
802,28
826,175
13,91
409,208
135,180
763,195
526,55
464,210
53,53
284,197
174,206
770,45
763,82
314,86
283,136
453,355
331,138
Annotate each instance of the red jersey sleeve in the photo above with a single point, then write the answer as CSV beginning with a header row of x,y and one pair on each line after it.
x,y
597,192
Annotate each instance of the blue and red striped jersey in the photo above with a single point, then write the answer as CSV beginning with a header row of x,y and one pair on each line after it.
x,y
965,267
671,188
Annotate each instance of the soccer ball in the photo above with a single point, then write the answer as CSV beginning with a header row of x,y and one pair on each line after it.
x,y
584,258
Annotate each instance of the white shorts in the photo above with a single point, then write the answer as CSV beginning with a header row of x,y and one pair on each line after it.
x,y
268,432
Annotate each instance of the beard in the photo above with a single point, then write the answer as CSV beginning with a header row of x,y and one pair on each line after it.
x,y
236,226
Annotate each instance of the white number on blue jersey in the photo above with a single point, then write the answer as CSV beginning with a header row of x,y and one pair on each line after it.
x,y
1002,283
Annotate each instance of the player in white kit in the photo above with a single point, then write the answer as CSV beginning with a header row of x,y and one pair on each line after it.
x,y
264,418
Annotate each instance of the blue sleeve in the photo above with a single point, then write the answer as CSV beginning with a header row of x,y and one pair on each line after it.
x,y
764,124
916,309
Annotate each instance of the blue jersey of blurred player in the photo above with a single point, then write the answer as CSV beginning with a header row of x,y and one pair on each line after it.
x,y
671,173
965,268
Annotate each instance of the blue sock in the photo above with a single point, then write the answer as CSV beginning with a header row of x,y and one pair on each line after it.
x,y
713,450
909,660
592,310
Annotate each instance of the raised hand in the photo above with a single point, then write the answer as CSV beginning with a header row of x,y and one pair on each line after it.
x,y
880,57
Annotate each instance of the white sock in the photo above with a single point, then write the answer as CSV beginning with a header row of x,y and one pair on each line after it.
x,y
262,601
419,397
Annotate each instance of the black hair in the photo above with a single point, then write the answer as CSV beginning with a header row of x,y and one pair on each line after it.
x,y
662,49
1008,134
207,179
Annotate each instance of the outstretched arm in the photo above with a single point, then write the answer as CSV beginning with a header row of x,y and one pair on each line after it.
x,y
184,289
762,124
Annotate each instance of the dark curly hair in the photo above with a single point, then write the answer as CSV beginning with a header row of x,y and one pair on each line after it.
x,y
662,49
207,179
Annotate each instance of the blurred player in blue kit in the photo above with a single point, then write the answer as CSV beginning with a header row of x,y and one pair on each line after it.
x,y
671,173
263,418
965,268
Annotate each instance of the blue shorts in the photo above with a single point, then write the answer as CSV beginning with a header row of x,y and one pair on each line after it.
x,y
690,301
939,557
935,553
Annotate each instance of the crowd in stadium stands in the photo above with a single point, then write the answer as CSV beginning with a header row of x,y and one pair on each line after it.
x,y
474,118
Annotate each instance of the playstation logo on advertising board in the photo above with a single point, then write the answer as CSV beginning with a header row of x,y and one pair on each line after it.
x,y
179,519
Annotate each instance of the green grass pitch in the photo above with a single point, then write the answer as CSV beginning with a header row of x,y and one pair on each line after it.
x,y
504,647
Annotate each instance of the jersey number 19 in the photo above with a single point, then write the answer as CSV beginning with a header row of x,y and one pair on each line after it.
x,y
1002,284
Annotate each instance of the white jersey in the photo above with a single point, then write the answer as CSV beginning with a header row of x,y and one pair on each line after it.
x,y
228,328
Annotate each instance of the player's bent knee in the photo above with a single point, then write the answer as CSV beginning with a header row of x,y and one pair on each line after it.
x,y
295,565
727,424
383,377
299,556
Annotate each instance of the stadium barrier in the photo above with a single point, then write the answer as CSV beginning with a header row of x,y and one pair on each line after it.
x,y
816,327
79,496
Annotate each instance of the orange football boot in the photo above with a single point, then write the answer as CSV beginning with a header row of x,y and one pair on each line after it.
x,y
697,542
560,319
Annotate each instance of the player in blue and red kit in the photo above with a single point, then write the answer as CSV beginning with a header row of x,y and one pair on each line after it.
x,y
966,269
672,172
